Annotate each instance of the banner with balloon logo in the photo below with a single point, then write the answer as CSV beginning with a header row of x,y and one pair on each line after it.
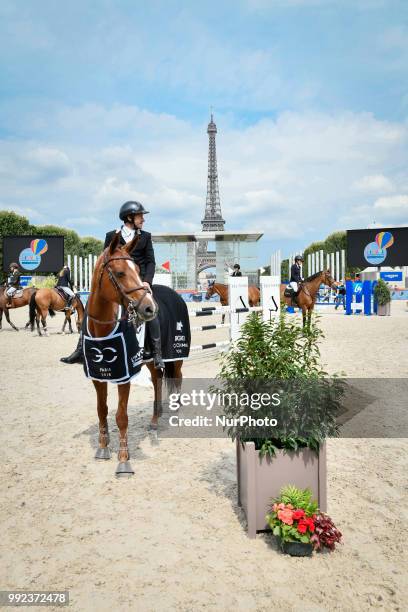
x,y
377,247
376,252
32,253
30,258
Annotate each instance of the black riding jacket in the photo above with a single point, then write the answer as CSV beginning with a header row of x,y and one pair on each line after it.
x,y
295,274
64,279
142,255
14,279
237,273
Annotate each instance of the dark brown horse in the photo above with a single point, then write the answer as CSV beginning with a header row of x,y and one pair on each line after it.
x,y
254,295
22,299
116,282
307,293
46,301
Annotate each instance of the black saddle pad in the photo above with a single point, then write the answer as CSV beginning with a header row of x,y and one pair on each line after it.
x,y
174,323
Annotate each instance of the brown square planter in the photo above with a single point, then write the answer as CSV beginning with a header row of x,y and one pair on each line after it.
x,y
260,481
384,311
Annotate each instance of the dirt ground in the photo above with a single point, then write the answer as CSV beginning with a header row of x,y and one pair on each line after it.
x,y
172,537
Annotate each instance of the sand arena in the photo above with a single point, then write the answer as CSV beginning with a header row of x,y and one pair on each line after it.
x,y
173,537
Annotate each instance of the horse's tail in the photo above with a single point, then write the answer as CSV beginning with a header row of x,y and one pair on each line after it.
x,y
169,370
169,376
51,312
33,308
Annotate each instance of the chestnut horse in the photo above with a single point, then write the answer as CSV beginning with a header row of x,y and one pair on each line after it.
x,y
23,299
116,282
254,295
307,293
46,301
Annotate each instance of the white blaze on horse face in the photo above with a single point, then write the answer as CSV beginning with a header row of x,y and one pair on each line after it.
x,y
131,265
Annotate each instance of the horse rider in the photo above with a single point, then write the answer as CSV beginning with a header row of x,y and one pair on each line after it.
x,y
64,283
132,214
296,274
237,270
13,283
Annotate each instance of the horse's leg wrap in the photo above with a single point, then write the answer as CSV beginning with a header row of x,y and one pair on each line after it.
x,y
153,330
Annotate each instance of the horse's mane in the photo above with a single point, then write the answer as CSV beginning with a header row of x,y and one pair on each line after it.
x,y
313,276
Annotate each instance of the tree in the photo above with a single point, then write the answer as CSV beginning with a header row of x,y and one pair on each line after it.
x,y
12,224
91,245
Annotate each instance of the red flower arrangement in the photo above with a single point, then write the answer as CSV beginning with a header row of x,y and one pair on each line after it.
x,y
294,517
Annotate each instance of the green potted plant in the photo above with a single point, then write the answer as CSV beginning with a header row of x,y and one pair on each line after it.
x,y
299,525
282,355
382,296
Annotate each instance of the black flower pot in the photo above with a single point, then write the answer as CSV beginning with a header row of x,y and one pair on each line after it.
x,y
296,549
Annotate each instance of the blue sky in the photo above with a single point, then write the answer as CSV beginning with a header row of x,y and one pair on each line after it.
x,y
103,101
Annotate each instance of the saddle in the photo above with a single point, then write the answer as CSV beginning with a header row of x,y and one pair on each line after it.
x,y
290,293
64,296
17,294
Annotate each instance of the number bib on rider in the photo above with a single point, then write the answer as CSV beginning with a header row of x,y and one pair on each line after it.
x,y
115,358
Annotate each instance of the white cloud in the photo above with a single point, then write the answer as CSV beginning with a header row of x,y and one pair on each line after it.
x,y
297,177
390,202
374,183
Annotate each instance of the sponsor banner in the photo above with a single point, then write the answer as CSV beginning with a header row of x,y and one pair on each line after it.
x,y
391,277
34,253
377,247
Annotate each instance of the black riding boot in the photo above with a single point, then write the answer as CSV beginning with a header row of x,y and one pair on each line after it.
x,y
153,330
77,356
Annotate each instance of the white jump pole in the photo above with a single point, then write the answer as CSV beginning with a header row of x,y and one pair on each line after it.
x,y
90,270
85,274
337,266
321,264
81,275
76,271
69,261
327,261
343,265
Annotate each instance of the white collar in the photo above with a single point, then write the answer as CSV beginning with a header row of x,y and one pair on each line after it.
x,y
127,233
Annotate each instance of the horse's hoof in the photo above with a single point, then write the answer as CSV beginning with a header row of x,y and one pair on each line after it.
x,y
124,469
103,453
153,426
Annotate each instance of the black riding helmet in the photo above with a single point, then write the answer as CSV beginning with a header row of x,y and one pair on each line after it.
x,y
131,208
298,258
237,266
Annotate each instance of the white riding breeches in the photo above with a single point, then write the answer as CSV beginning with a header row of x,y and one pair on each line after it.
x,y
68,291
294,286
11,291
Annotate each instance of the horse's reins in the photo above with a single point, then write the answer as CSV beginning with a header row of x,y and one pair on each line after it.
x,y
131,312
307,292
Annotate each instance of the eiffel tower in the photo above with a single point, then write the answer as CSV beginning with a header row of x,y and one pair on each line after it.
x,y
212,221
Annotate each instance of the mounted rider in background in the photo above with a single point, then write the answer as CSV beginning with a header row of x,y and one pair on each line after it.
x,y
296,274
64,283
13,283
132,215
237,270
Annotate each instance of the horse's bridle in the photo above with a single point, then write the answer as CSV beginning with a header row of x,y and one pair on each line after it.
x,y
307,292
131,311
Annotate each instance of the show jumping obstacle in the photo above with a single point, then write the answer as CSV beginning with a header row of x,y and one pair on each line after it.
x,y
238,298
